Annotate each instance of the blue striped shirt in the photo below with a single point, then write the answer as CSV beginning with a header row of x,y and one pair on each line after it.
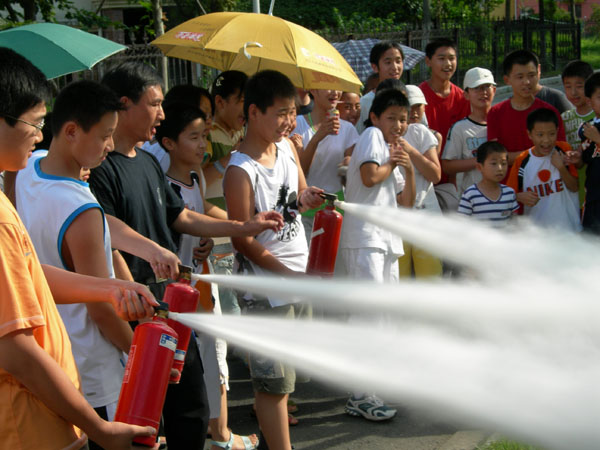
x,y
475,203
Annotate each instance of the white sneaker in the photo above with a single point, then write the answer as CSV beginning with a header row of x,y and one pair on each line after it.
x,y
371,408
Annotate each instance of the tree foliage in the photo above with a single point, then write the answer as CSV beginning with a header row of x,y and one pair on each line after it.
x,y
19,12
379,14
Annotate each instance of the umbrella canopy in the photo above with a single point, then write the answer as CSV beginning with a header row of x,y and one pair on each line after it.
x,y
251,42
58,49
357,54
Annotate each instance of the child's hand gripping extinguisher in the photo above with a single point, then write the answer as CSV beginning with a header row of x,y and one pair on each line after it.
x,y
325,239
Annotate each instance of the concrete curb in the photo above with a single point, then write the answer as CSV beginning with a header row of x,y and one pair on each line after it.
x,y
466,440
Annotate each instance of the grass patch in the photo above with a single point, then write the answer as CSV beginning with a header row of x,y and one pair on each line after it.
x,y
504,444
590,51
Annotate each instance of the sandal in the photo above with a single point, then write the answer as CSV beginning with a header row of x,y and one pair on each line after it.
x,y
292,421
248,445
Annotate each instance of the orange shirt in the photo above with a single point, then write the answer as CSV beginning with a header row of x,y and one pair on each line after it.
x,y
26,303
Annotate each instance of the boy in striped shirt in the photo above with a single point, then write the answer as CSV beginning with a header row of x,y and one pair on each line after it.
x,y
489,199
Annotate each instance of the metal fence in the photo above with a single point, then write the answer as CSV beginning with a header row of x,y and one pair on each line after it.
x,y
485,44
482,44
179,70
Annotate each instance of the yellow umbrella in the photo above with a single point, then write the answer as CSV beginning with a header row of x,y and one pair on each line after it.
x,y
252,42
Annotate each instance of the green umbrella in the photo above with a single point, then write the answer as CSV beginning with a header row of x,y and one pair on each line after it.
x,y
58,49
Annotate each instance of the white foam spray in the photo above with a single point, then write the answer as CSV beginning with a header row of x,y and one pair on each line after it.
x,y
516,351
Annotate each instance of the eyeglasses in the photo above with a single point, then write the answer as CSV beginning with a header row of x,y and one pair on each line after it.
x,y
38,126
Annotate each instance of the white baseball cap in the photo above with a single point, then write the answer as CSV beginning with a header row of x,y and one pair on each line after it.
x,y
476,77
415,95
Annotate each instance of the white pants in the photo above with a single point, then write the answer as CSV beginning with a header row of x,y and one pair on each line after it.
x,y
370,264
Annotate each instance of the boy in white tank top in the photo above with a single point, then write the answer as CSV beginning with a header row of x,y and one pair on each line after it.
x,y
265,174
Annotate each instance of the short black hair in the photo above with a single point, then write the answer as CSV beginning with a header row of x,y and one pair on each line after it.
x,y
591,84
387,98
188,93
177,117
544,115
84,102
391,83
521,57
265,87
433,46
487,148
577,68
22,85
230,82
380,48
131,79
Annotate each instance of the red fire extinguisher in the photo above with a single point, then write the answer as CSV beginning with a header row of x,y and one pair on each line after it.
x,y
181,298
325,239
147,374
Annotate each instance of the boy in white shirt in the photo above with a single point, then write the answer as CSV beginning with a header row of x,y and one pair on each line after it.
x,y
545,184
369,251
264,173
466,135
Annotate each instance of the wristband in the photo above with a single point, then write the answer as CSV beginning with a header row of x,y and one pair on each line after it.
x,y
219,167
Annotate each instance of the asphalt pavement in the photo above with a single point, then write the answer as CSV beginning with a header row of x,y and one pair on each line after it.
x,y
323,424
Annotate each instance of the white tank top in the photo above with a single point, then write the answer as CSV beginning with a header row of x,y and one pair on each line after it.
x,y
47,205
275,189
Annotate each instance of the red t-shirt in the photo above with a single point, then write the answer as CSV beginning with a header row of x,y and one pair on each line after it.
x,y
509,126
443,112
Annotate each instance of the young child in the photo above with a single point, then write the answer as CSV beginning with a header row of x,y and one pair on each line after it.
x,y
387,61
266,172
327,141
544,183
183,135
227,130
368,251
422,145
488,199
446,103
40,390
507,121
573,78
589,153
466,135
84,117
349,107
417,102
192,95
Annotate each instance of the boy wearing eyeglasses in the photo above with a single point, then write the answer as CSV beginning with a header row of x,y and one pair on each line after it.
x,y
466,135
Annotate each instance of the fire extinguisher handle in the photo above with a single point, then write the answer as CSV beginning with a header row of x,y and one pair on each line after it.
x,y
328,196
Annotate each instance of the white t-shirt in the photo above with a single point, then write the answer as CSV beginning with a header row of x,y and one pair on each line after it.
x,y
365,107
154,148
419,136
275,189
356,233
47,205
464,138
329,154
558,207
192,197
